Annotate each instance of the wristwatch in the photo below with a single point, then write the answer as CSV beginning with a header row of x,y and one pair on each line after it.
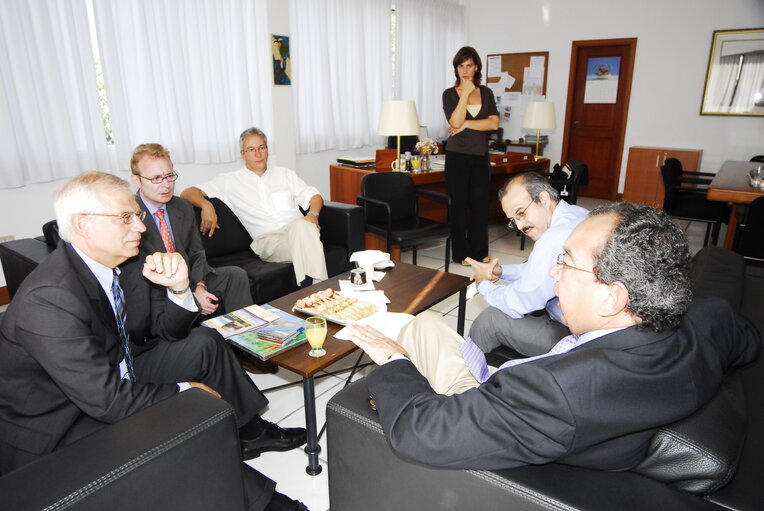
x,y
177,291
314,213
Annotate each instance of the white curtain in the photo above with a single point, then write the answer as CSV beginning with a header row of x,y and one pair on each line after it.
x,y
50,119
341,71
429,33
722,91
189,74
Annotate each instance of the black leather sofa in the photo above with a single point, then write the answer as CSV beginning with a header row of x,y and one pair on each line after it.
x,y
179,454
711,460
342,233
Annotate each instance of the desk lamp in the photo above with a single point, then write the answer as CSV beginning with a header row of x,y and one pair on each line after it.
x,y
539,115
398,118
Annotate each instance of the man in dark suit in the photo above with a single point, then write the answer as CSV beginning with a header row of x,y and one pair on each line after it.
x,y
94,335
644,354
173,229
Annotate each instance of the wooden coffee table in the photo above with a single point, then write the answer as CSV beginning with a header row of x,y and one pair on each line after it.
x,y
410,289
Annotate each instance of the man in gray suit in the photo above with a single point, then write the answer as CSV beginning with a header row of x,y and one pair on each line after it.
x,y
173,229
644,354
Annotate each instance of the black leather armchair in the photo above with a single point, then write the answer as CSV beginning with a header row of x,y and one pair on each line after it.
x,y
391,210
179,454
710,461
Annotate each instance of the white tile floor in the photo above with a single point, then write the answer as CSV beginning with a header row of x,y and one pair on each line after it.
x,y
286,404
286,408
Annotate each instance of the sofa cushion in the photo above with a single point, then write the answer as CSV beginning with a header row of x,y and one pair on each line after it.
x,y
231,237
699,454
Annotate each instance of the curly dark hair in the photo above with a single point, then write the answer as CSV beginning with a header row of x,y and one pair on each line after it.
x,y
466,53
648,252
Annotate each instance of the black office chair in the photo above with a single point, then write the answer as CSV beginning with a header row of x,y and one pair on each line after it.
x,y
685,198
750,241
391,207
758,158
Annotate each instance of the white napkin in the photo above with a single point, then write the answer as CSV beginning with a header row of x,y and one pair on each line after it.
x,y
366,258
389,323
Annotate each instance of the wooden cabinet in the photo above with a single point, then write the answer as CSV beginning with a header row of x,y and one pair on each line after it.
x,y
644,183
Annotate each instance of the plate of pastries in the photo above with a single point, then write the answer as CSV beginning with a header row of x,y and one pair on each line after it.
x,y
334,307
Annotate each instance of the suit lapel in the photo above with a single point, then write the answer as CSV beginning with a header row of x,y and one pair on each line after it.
x,y
95,293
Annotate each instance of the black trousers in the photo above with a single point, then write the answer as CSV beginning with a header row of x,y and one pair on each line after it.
x,y
467,182
203,356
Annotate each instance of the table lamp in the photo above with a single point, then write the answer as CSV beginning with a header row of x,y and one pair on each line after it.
x,y
539,115
398,118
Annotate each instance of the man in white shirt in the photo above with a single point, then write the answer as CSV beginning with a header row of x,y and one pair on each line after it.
x,y
535,208
266,199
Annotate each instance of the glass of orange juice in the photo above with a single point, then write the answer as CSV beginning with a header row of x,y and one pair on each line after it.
x,y
315,331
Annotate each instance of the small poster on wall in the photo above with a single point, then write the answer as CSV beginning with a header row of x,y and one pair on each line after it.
x,y
282,64
602,80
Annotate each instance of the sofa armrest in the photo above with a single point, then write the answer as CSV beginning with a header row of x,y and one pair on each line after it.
x,y
19,258
179,454
342,225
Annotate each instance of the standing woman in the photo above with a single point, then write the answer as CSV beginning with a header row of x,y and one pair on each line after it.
x,y
471,112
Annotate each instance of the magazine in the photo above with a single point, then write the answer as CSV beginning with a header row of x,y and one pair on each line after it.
x,y
282,332
241,320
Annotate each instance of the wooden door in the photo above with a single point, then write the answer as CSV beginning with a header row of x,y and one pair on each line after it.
x,y
597,110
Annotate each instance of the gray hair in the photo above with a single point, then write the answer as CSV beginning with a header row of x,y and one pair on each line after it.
x,y
83,194
648,253
534,184
248,133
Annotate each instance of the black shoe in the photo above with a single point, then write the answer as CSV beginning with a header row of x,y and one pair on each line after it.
x,y
254,365
273,438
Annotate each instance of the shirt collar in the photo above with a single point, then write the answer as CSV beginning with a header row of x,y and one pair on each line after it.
x,y
153,209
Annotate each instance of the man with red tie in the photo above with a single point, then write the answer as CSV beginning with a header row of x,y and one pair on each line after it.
x,y
173,229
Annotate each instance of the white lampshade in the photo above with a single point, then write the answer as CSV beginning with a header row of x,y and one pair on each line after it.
x,y
539,115
398,118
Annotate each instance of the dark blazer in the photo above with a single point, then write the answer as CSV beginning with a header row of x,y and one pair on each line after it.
x,y
186,237
60,351
596,406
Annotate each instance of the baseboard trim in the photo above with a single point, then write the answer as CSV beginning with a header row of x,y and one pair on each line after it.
x,y
5,298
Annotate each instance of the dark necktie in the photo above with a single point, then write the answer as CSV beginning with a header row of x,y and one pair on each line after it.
x,y
164,231
121,315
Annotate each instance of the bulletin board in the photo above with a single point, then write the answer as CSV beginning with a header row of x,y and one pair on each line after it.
x,y
515,64
516,79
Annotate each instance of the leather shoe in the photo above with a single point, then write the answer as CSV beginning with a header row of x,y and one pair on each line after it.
x,y
254,365
273,438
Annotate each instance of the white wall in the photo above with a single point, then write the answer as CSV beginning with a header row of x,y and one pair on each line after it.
x,y
674,38
673,44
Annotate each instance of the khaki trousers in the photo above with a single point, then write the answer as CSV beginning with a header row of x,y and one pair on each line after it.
x,y
299,242
434,350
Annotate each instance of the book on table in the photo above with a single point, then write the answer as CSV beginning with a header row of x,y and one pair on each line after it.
x,y
263,331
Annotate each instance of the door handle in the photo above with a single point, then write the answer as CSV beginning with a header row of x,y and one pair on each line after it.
x,y
575,122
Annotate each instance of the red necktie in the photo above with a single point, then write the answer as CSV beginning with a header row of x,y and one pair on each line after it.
x,y
164,231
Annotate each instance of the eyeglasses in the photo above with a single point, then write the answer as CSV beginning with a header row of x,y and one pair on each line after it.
x,y
561,262
520,215
259,149
126,217
171,177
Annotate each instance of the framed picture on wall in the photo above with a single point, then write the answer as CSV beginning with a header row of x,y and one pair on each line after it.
x,y
282,63
734,84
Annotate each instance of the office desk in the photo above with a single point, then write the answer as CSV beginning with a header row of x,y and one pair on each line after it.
x,y
345,184
731,184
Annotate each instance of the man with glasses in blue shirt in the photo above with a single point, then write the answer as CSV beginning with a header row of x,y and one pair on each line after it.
x,y
173,229
525,315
